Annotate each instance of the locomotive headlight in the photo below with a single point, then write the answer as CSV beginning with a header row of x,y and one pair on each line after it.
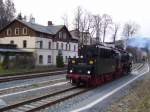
x,y
70,71
81,56
88,72
73,61
91,62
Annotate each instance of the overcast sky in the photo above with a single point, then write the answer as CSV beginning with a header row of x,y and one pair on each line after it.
x,y
120,10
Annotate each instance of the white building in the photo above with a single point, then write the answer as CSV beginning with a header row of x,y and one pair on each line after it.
x,y
83,37
43,41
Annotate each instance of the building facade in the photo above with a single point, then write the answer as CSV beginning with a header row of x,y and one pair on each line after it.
x,y
83,37
43,41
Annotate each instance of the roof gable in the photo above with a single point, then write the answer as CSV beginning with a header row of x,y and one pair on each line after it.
x,y
52,30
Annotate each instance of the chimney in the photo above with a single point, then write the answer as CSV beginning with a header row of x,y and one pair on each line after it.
x,y
25,18
32,20
50,23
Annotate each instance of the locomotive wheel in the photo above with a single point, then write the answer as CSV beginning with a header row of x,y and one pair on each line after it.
x,y
77,83
114,77
72,81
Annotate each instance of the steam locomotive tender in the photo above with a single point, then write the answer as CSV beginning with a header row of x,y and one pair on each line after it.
x,y
98,64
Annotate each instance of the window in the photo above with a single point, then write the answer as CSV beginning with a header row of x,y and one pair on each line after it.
x,y
24,44
62,45
11,42
24,31
66,59
41,44
64,35
49,59
69,47
49,45
42,35
57,45
17,31
60,35
74,47
66,47
40,59
8,32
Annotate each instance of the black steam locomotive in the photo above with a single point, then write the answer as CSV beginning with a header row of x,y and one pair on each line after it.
x,y
98,64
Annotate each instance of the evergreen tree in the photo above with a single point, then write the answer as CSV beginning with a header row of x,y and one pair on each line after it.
x,y
59,60
7,12
20,16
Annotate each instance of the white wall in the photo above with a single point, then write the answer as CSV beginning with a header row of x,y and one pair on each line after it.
x,y
44,51
33,45
19,42
65,52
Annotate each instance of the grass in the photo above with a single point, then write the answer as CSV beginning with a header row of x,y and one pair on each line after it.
x,y
137,99
15,71
35,85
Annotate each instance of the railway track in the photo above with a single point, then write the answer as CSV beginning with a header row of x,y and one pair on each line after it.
x,y
44,101
35,75
48,100
25,87
39,84
137,66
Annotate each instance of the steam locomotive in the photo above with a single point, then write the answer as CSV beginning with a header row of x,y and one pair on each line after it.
x,y
98,64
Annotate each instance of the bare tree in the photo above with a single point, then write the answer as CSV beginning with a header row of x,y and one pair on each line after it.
x,y
77,18
97,22
65,20
86,26
7,11
107,22
83,24
130,29
115,31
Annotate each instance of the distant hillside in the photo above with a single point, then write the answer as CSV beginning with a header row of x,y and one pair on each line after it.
x,y
139,42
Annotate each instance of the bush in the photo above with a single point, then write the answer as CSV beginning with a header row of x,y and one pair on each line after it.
x,y
18,61
25,61
1,67
5,62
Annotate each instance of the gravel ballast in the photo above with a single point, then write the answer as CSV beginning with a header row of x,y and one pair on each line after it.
x,y
88,97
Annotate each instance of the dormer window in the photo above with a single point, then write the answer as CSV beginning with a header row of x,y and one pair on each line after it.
x,y
64,35
8,32
60,35
24,31
16,31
